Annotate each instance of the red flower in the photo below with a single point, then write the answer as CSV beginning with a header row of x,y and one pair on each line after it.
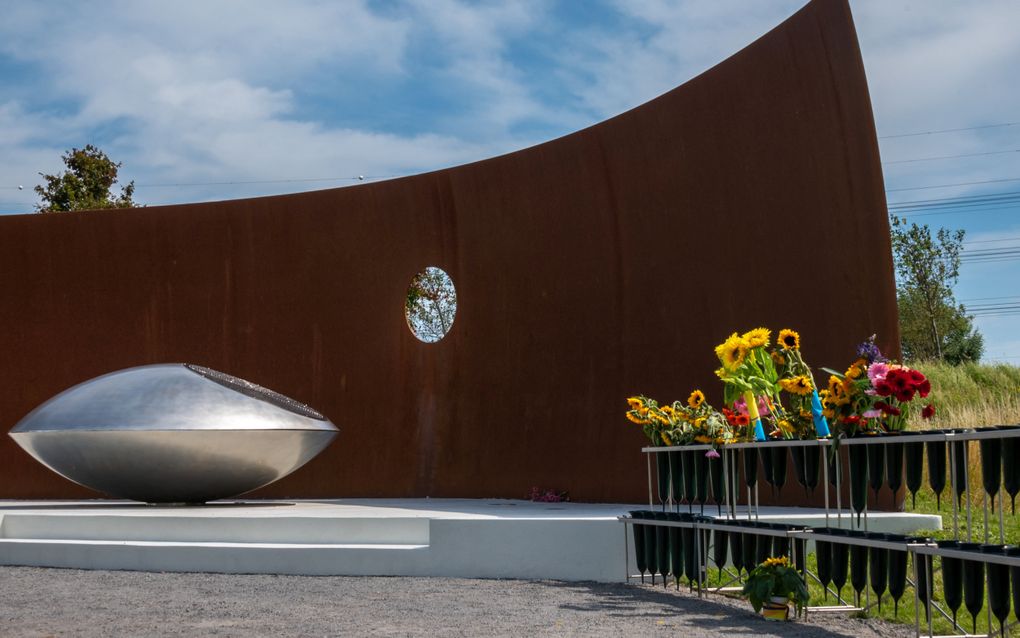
x,y
883,389
928,411
888,409
851,420
734,419
916,377
923,388
898,380
904,395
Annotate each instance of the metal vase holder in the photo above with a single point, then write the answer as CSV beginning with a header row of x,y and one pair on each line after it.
x,y
990,565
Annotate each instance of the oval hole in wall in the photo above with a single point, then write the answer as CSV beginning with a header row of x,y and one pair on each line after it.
x,y
430,305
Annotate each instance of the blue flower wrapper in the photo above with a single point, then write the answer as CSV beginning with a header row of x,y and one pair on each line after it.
x,y
759,432
821,425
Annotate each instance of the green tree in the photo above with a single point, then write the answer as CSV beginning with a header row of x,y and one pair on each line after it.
x,y
932,324
431,304
85,185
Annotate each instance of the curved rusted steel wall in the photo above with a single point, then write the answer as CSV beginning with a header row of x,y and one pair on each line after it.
x,y
599,265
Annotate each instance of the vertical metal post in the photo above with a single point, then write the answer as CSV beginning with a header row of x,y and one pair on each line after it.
x,y
839,494
825,481
966,483
697,557
626,553
1002,533
984,503
866,500
735,485
988,589
648,457
756,500
952,495
917,609
725,482
850,475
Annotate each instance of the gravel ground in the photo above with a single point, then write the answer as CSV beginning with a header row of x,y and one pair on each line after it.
x,y
66,602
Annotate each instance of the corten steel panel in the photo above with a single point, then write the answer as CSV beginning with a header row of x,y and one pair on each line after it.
x,y
596,266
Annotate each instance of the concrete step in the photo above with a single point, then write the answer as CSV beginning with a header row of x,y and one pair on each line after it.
x,y
210,529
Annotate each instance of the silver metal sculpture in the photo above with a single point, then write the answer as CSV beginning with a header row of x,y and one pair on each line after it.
x,y
172,433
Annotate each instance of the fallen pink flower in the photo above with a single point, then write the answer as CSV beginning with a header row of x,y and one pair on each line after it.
x,y
712,454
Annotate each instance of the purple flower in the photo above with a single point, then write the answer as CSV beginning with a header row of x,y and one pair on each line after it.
x,y
712,454
868,350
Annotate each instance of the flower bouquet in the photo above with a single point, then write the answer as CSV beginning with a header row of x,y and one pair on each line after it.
x,y
873,394
749,377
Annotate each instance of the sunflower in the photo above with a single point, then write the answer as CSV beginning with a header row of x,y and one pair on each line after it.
x,y
789,339
732,352
835,385
636,419
701,438
785,426
757,338
782,561
634,403
665,439
696,399
777,358
668,410
800,385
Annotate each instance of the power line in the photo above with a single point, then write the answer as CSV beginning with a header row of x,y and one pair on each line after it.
x,y
989,241
949,130
989,298
994,209
947,199
945,157
921,188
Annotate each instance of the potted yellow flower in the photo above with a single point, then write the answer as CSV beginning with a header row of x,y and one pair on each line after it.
x,y
772,585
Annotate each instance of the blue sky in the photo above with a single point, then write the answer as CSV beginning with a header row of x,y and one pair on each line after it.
x,y
195,97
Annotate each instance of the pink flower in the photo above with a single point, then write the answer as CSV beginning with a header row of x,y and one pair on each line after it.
x,y
740,406
877,372
872,414
712,454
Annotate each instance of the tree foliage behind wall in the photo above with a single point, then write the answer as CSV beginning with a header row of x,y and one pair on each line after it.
x,y
85,185
933,325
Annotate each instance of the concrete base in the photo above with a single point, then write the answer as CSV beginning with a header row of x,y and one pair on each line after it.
x,y
391,537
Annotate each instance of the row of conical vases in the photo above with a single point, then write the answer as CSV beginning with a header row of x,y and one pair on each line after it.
x,y
894,462
963,582
686,476
897,461
672,552
885,568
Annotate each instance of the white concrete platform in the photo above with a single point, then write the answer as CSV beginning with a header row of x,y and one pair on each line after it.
x,y
385,537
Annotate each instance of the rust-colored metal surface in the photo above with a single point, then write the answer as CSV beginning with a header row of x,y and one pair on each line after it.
x,y
590,268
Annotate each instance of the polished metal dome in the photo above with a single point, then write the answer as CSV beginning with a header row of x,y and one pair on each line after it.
x,y
172,433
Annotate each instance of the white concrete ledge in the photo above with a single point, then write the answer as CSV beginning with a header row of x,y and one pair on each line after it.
x,y
387,537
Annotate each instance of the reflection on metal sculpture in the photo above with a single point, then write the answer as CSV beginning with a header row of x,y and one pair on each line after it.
x,y
172,433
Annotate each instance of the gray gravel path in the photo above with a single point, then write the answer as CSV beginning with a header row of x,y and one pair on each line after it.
x,y
65,602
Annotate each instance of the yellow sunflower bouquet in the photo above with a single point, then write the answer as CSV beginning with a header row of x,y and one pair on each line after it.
x,y
798,385
654,420
749,373
680,423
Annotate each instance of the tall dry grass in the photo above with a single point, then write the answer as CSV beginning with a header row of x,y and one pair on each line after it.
x,y
971,395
